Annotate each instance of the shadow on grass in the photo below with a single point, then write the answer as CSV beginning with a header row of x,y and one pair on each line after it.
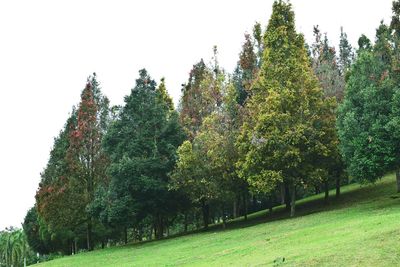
x,y
355,194
352,195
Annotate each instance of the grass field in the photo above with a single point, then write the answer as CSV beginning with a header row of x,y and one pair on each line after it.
x,y
362,228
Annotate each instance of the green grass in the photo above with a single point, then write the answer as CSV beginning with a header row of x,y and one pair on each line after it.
x,y
362,228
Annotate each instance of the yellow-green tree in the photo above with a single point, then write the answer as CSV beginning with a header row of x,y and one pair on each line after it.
x,y
286,129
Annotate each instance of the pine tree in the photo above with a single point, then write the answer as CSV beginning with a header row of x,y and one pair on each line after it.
x,y
86,158
367,144
200,96
286,131
247,68
142,144
164,97
324,63
58,204
346,54
326,68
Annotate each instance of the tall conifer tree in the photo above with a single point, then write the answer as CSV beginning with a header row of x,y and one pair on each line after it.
x,y
286,129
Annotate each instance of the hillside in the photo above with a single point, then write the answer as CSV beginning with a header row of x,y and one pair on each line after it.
x,y
359,229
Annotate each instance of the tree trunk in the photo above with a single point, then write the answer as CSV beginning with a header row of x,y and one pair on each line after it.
x,y
89,234
125,235
270,205
282,194
159,226
245,205
326,189
254,204
317,190
186,223
206,213
287,197
223,218
292,201
337,185
398,180
235,208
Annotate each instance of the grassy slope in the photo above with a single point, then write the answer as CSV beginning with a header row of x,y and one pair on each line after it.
x,y
362,228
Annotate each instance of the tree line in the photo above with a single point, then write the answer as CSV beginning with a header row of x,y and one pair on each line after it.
x,y
291,120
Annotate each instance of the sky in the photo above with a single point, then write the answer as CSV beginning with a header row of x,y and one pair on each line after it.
x,y
49,48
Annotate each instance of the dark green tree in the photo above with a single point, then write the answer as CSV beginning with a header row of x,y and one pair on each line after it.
x,y
346,53
142,145
367,115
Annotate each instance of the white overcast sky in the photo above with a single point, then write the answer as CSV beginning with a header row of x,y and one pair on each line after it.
x,y
48,48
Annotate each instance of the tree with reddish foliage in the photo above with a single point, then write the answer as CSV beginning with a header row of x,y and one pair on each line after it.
x,y
86,158
57,204
201,95
248,66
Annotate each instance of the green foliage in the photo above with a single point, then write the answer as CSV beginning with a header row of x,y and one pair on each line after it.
x,y
14,248
366,143
31,228
200,96
247,67
364,43
326,68
286,129
165,99
142,143
346,54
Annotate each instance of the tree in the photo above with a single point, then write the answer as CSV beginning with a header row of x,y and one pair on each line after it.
x,y
206,168
326,68
247,67
142,145
324,63
31,228
285,130
163,95
258,37
367,115
200,96
86,158
346,54
58,204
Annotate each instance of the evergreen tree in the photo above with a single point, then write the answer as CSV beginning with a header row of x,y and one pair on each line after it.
x,y
346,54
247,68
364,117
285,131
58,203
326,68
258,38
86,158
142,144
363,44
200,96
164,97
324,63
